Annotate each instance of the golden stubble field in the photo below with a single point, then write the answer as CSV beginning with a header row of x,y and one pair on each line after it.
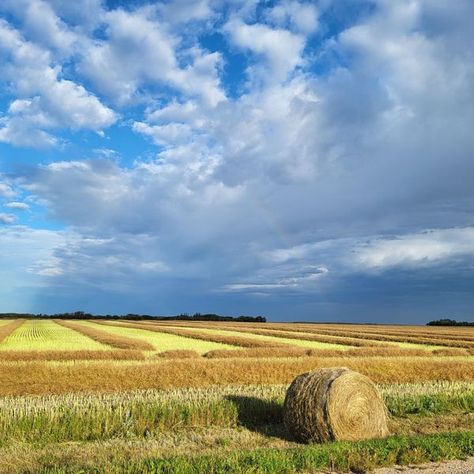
x,y
146,396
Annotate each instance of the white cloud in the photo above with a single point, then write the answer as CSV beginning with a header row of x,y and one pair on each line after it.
x,y
7,218
300,280
410,250
140,51
299,16
44,99
41,25
280,49
6,190
18,206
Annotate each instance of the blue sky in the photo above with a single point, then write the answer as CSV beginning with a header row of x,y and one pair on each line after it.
x,y
297,159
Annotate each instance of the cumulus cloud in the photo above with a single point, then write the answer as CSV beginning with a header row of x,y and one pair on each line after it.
x,y
18,206
280,48
314,184
44,100
6,190
299,16
7,218
139,51
41,25
410,250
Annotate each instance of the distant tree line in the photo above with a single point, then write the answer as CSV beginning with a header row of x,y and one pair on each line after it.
x,y
138,317
449,322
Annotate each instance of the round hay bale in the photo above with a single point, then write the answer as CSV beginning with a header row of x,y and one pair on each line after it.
x,y
334,404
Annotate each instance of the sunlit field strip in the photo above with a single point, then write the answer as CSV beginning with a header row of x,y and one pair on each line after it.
x,y
44,335
293,332
161,341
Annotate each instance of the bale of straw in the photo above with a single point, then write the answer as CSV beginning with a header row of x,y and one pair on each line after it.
x,y
334,404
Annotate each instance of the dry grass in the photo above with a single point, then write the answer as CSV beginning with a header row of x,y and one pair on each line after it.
x,y
179,354
119,342
303,352
196,334
263,352
122,354
452,352
48,377
8,328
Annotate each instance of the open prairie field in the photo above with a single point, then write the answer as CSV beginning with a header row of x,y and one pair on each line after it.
x,y
191,397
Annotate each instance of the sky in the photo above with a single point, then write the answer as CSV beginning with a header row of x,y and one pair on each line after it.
x,y
300,160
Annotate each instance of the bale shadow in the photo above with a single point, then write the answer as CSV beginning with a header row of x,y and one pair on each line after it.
x,y
260,416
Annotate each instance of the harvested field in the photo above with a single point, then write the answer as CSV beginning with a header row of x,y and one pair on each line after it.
x,y
115,396
334,337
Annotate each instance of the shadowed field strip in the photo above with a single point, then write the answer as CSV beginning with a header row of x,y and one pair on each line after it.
x,y
20,378
228,339
46,335
161,341
103,337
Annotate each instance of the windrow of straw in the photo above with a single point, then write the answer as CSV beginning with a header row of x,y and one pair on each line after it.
x,y
344,341
109,376
415,334
196,334
434,339
261,352
119,342
7,329
305,352
355,352
179,354
412,331
122,354
337,336
459,333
